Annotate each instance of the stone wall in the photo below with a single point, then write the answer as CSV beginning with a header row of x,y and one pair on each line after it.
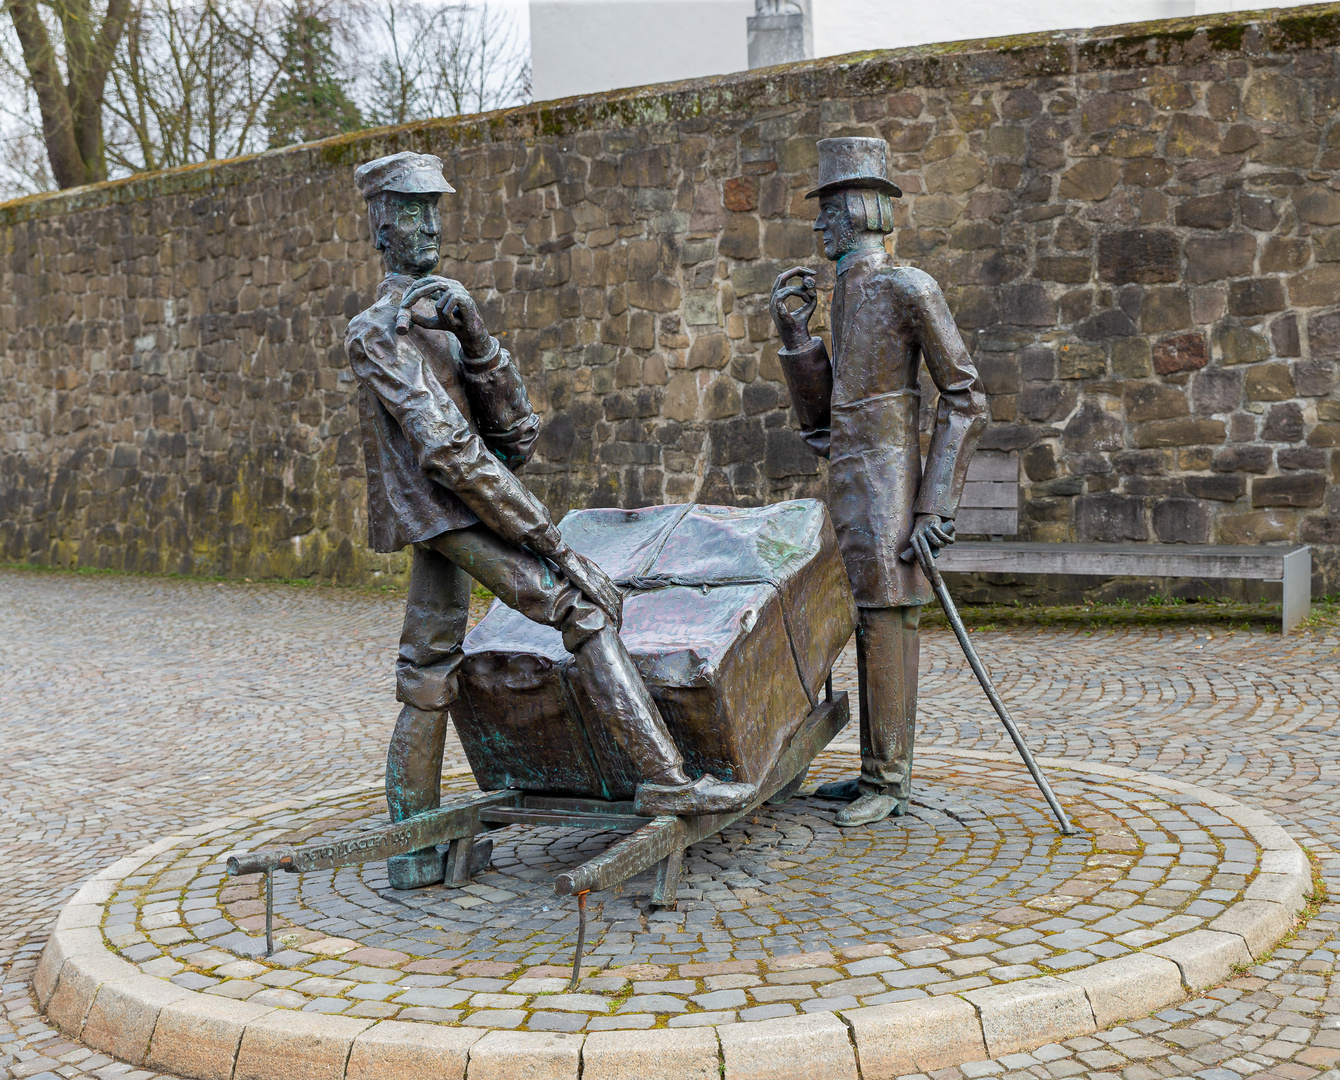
x,y
1138,229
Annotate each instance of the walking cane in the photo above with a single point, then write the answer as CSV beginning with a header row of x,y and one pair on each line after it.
x,y
924,556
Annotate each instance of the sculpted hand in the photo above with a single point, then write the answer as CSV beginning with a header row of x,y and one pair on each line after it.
x,y
930,533
456,313
591,581
794,326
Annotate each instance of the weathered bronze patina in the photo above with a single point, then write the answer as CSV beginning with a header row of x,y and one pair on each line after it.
x,y
446,422
860,408
733,617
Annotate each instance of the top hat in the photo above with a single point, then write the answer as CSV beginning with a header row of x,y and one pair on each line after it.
x,y
407,173
854,163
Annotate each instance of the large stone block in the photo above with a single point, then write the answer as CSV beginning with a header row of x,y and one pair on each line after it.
x,y
1128,987
1179,433
122,1018
290,1045
915,1036
771,1049
659,1054
198,1036
80,978
1109,518
1023,1015
1204,957
1215,258
1138,255
536,1055
1153,401
1182,521
60,947
1260,923
393,1049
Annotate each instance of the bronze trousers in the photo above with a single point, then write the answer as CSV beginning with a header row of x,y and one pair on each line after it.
x,y
436,615
887,653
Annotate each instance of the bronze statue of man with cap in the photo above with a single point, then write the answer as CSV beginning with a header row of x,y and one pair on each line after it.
x,y
860,409
446,422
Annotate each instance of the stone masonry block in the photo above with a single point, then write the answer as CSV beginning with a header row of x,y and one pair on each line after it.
x,y
1286,889
664,1054
536,1055
75,916
1286,862
199,1035
816,1045
1205,957
915,1036
124,1014
393,1049
62,945
1260,923
1128,987
78,984
1019,1016
289,1045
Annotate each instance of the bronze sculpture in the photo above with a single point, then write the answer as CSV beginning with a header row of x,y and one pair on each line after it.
x,y
446,421
860,409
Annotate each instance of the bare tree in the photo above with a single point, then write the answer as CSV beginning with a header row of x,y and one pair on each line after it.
x,y
196,80
72,36
191,82
443,59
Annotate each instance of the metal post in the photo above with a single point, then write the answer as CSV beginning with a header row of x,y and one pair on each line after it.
x,y
269,912
581,939
951,613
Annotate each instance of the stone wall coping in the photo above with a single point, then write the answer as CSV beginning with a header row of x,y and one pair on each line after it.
x,y
960,63
94,995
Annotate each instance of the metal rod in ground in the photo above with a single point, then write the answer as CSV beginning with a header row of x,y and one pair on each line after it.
x,y
951,613
269,912
581,940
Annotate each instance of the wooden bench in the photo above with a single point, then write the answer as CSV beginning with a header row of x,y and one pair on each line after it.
x,y
990,507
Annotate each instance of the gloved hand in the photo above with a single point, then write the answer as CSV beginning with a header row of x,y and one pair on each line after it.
x,y
591,581
930,533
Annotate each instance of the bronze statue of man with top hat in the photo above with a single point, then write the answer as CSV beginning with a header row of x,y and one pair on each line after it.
x,y
860,408
446,423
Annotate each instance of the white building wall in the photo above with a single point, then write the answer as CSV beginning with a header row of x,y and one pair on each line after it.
x,y
586,46
843,26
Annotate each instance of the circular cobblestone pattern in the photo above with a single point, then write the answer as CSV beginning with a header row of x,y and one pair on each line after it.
x,y
780,914
192,700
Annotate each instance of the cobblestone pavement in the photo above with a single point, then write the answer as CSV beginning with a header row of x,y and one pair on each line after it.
x,y
782,913
132,707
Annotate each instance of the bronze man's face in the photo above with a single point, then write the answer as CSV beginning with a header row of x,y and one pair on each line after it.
x,y
835,225
411,234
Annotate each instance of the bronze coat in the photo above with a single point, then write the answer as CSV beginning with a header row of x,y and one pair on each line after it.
x,y
440,432
886,319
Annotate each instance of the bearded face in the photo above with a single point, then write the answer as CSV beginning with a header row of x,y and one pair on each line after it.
x,y
834,223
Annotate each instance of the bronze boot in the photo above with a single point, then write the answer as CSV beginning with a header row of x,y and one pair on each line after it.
x,y
608,680
413,785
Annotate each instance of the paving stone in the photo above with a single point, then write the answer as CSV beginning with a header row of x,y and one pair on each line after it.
x,y
411,1052
915,1036
506,1055
665,1054
288,1045
1024,1014
1214,712
770,1049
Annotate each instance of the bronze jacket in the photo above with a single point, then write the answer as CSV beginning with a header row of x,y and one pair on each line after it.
x,y
886,318
441,433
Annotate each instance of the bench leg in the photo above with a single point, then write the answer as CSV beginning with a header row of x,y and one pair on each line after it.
x,y
1297,587
667,880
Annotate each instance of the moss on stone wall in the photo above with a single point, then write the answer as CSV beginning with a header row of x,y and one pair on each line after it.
x,y
1133,225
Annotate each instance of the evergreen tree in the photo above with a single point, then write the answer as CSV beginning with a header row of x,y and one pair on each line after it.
x,y
310,101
